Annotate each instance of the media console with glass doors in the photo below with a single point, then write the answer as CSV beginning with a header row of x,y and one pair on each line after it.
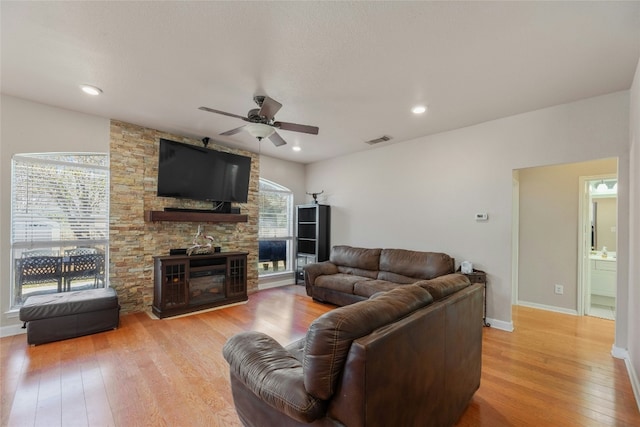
x,y
183,284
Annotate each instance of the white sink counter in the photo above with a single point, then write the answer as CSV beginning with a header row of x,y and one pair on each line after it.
x,y
611,256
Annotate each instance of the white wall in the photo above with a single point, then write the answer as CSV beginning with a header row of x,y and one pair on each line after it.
x,y
28,127
423,194
634,232
288,174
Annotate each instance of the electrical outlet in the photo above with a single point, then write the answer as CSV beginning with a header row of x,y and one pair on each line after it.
x,y
559,289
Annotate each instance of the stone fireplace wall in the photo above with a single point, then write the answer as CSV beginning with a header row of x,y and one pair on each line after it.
x,y
134,242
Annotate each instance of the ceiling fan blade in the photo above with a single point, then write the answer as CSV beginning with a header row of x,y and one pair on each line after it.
x,y
211,110
269,107
233,131
277,139
296,127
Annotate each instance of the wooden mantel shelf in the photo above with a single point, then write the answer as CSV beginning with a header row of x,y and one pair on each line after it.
x,y
192,216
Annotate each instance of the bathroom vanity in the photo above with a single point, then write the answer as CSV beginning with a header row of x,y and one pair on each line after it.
x,y
603,275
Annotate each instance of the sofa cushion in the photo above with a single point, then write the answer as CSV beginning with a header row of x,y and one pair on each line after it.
x,y
446,285
367,288
330,336
419,265
339,282
388,276
356,258
370,274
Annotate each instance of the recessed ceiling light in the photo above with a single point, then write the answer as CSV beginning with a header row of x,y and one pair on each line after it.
x,y
418,109
91,90
296,148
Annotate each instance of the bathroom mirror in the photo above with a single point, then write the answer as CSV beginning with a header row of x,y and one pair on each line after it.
x,y
603,214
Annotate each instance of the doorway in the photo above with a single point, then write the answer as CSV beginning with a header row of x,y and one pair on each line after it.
x,y
598,243
549,248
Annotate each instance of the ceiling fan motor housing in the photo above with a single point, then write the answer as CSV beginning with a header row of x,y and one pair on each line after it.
x,y
254,116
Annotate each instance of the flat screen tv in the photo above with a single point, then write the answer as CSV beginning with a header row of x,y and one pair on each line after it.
x,y
191,172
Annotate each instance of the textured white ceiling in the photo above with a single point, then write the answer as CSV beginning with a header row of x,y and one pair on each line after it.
x,y
354,69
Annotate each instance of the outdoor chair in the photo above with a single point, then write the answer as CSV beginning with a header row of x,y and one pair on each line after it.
x,y
88,266
38,269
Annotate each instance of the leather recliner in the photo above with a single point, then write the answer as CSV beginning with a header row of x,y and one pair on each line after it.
x,y
399,358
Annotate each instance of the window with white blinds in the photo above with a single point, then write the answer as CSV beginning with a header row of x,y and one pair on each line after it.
x,y
275,227
276,211
59,199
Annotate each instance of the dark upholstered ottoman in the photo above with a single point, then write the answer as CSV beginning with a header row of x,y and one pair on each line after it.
x,y
54,317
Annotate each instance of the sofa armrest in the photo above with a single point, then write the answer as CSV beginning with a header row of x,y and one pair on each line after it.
x,y
272,374
446,285
312,271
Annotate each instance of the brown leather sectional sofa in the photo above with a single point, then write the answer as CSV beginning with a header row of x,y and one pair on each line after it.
x,y
354,274
407,357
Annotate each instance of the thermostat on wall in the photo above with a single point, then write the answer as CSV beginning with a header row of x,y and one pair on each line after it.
x,y
482,216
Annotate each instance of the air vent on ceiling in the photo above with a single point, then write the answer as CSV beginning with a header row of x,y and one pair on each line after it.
x,y
383,138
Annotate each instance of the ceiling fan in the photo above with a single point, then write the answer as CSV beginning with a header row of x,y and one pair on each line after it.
x,y
262,123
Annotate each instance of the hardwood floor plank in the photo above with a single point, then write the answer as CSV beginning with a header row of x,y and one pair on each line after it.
x,y
25,402
12,363
74,411
553,370
97,405
49,413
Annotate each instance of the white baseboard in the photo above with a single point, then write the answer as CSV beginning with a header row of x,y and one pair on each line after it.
x,y
10,330
635,383
619,353
548,307
508,326
623,353
500,324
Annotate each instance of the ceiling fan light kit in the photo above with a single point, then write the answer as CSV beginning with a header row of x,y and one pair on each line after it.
x,y
259,130
262,123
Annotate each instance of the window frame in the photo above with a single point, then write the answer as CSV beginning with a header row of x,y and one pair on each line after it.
x,y
287,236
31,208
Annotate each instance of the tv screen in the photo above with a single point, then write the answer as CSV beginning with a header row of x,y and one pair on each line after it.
x,y
187,171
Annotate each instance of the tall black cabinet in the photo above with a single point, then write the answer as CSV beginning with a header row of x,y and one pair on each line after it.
x,y
312,236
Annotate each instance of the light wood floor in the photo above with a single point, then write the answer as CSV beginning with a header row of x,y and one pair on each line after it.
x,y
554,370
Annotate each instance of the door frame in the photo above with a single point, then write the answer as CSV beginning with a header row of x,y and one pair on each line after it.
x,y
515,236
584,241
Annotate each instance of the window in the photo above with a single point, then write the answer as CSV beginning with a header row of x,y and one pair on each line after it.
x,y
275,228
59,222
